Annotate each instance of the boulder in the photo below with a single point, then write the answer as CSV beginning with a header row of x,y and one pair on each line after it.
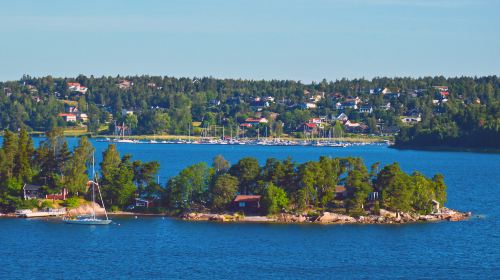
x,y
217,218
388,214
86,209
407,217
301,219
328,217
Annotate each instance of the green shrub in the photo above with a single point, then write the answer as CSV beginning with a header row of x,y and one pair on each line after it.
x,y
47,204
72,202
26,204
376,208
114,208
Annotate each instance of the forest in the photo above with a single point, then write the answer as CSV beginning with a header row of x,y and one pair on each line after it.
x,y
283,184
54,166
461,111
286,186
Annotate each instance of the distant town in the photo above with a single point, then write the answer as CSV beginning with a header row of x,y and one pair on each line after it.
x,y
430,111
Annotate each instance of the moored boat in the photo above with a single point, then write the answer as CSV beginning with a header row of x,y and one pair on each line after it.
x,y
90,219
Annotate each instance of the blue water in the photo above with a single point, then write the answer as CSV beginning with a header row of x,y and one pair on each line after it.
x,y
168,248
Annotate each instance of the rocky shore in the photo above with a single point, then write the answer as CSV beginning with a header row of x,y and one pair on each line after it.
x,y
384,217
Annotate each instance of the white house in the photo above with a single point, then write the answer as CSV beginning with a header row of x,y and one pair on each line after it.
x,y
68,117
73,86
410,120
127,112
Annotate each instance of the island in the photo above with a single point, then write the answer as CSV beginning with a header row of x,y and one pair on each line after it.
x,y
51,180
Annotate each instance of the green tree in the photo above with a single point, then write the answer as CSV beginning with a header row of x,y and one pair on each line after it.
x,y
274,200
190,187
76,175
118,187
131,121
439,188
223,191
24,157
396,188
220,164
423,193
310,174
246,170
110,162
358,188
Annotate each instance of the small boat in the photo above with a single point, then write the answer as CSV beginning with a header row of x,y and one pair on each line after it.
x,y
90,219
87,221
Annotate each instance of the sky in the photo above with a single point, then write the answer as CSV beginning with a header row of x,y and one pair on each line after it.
x,y
307,40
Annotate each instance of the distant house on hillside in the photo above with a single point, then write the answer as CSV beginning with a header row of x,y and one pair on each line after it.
x,y
316,98
247,125
411,120
355,127
342,117
351,104
256,120
124,84
32,191
74,86
68,117
143,203
392,95
127,112
380,91
214,102
258,105
58,196
441,88
82,117
317,121
308,105
70,109
36,192
366,109
386,107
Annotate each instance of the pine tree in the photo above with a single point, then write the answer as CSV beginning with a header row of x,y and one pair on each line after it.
x,y
24,157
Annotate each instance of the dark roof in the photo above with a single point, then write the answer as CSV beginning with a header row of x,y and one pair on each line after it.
x,y
261,103
29,187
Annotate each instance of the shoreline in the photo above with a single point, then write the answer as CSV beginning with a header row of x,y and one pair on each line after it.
x,y
447,149
385,217
325,218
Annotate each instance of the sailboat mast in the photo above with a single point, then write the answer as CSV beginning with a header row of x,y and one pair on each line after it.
x,y
93,189
94,182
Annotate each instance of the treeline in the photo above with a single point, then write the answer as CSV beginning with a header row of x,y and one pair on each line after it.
x,y
170,105
288,186
471,126
53,166
283,184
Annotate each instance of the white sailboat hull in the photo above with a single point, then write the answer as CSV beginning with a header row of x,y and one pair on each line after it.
x,y
88,221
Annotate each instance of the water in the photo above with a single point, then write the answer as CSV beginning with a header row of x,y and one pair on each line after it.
x,y
169,248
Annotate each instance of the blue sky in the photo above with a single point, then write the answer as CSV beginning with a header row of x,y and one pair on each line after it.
x,y
253,39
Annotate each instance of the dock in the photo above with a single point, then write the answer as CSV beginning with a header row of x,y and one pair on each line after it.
x,y
39,214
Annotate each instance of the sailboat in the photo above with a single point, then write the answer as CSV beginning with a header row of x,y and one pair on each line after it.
x,y
91,219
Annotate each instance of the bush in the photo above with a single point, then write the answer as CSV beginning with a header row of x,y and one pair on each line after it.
x,y
72,202
26,204
47,204
114,208
376,208
274,200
